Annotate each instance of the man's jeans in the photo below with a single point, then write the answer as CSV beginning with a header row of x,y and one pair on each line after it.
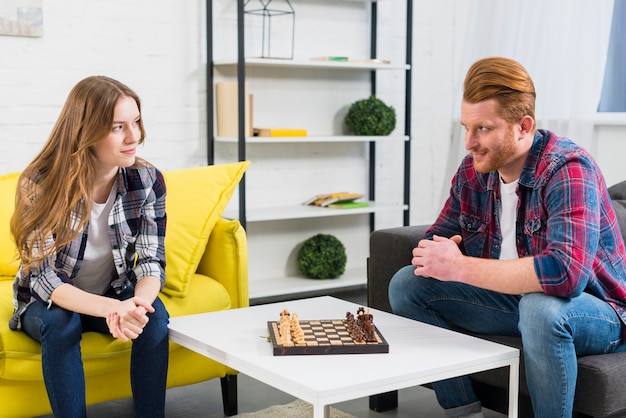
x,y
554,332
59,332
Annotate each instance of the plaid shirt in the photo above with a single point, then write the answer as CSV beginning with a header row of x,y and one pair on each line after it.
x,y
136,230
565,220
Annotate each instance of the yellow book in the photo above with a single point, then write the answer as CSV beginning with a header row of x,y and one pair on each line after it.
x,y
266,132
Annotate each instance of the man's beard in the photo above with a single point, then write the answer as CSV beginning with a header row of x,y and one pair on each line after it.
x,y
496,158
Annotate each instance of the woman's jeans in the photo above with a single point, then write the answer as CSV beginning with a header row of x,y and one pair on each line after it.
x,y
59,332
554,332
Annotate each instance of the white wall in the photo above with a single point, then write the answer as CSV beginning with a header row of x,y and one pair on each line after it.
x,y
157,48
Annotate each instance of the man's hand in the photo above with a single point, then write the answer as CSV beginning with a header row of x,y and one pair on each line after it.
x,y
437,258
441,259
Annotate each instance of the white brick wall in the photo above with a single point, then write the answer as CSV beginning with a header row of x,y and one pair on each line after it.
x,y
157,48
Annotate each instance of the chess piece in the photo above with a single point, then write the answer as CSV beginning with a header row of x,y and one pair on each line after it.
x,y
284,313
369,329
358,335
296,331
285,333
295,323
284,328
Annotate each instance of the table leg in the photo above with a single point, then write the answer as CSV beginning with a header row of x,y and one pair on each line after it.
x,y
514,388
321,411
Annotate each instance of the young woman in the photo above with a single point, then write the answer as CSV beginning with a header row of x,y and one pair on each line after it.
x,y
89,225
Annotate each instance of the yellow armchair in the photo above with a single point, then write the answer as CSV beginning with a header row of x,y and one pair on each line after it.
x,y
207,270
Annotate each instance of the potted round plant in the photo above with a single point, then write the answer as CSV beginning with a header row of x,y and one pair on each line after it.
x,y
322,257
370,117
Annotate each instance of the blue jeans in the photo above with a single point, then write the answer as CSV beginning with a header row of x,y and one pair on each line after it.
x,y
554,332
59,331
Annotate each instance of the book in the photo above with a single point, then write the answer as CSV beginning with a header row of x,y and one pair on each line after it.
x,y
348,205
226,100
330,58
327,199
346,59
275,132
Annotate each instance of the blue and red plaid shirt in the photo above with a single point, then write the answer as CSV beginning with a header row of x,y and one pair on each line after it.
x,y
565,220
137,230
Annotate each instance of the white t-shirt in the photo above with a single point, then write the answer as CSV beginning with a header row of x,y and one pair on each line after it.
x,y
97,268
508,216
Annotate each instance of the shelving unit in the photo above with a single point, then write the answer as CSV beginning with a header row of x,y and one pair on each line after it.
x,y
353,277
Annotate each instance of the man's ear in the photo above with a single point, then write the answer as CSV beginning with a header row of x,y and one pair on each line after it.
x,y
526,125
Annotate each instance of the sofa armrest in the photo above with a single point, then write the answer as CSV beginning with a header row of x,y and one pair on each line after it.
x,y
226,260
390,250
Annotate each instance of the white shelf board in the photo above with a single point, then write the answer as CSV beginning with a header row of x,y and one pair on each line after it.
x,y
280,286
339,65
308,211
312,139
610,119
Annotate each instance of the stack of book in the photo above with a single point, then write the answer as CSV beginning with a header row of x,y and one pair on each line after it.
x,y
340,200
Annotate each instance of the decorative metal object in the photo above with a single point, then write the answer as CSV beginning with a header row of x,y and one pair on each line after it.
x,y
268,9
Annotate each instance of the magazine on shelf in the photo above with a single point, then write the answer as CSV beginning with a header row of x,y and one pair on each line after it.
x,y
330,198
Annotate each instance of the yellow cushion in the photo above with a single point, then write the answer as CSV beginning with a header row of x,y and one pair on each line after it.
x,y
226,260
8,254
196,198
205,295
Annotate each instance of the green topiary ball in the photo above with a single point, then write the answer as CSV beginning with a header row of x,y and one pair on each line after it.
x,y
371,117
322,257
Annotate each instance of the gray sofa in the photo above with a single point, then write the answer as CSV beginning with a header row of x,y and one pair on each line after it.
x,y
601,385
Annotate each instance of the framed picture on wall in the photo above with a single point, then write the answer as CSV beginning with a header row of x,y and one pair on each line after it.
x,y
21,18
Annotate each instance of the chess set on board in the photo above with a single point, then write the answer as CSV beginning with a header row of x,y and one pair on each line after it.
x,y
352,335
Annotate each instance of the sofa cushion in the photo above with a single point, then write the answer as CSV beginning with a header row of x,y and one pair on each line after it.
x,y
205,295
196,198
617,193
8,254
600,384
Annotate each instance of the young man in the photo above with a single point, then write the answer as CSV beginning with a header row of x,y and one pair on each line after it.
x,y
526,245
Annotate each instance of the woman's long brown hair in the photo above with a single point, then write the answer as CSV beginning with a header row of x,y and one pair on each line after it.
x,y
60,180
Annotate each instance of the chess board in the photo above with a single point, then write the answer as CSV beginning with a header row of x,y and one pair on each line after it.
x,y
325,336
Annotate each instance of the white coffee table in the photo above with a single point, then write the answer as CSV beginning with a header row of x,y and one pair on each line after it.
x,y
418,353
